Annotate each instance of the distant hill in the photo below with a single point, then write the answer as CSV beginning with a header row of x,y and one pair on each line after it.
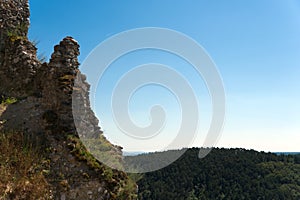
x,y
132,153
287,153
223,174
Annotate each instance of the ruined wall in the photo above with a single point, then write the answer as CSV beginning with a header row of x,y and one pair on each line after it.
x,y
18,61
44,110
14,19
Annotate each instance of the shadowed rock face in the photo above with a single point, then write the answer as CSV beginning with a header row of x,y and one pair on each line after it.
x,y
44,110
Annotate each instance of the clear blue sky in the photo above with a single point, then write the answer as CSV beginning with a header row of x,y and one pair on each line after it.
x,y
255,45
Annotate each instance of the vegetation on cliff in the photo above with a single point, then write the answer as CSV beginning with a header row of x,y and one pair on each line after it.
x,y
22,169
25,170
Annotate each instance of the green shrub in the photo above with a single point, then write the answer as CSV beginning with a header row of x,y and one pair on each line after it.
x,y
8,101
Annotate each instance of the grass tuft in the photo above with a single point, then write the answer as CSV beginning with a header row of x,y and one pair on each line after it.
x,y
21,173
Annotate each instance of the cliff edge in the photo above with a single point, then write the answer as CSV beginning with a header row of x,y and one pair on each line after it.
x,y
36,100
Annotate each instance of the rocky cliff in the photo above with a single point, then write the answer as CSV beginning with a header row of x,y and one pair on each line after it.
x,y
40,96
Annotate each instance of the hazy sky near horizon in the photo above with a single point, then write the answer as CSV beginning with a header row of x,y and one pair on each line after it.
x,y
255,45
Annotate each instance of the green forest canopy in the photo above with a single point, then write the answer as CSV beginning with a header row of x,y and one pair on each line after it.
x,y
223,174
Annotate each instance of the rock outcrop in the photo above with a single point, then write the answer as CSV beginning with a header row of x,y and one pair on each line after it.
x,y
43,110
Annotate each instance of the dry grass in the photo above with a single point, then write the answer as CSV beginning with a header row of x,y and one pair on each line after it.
x,y
21,174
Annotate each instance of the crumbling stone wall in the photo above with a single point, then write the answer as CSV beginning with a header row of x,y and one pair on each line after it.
x,y
18,61
14,20
44,110
57,84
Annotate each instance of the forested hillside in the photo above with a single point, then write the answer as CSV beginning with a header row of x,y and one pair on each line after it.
x,y
224,174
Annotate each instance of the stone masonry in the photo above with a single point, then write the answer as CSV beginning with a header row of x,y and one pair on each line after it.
x,y
44,109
